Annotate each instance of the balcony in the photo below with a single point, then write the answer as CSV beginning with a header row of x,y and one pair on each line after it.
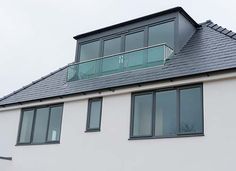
x,y
136,59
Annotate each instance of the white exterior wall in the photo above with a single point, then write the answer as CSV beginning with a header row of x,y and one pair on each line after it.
x,y
110,149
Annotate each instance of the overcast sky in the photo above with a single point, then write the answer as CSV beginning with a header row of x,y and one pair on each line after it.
x,y
36,35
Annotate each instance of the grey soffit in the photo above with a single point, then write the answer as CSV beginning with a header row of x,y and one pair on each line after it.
x,y
211,48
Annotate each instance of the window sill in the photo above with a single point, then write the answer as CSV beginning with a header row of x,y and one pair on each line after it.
x,y
162,137
46,143
92,130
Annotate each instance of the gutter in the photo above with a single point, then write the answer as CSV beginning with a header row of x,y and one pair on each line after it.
x,y
207,77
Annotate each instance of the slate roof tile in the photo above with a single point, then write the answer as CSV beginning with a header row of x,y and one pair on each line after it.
x,y
210,49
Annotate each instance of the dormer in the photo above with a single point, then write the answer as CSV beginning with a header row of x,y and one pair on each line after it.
x,y
140,43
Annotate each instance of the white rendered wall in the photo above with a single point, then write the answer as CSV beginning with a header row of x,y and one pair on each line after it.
x,y
9,121
110,149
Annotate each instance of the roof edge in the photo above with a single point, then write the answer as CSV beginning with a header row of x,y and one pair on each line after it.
x,y
214,72
32,83
222,30
168,11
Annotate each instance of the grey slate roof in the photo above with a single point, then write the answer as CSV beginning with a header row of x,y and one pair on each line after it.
x,y
211,48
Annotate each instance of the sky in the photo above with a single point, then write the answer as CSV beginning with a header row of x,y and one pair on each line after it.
x,y
36,36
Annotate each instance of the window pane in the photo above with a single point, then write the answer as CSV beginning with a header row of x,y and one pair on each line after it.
x,y
55,124
41,122
112,46
165,113
89,51
26,126
95,114
134,41
142,116
162,33
191,110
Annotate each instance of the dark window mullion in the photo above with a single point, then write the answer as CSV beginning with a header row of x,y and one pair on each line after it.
x,y
49,116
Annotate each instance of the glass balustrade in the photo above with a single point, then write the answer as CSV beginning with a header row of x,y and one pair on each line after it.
x,y
131,60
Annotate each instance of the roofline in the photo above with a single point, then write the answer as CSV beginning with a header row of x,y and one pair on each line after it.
x,y
172,10
210,73
34,82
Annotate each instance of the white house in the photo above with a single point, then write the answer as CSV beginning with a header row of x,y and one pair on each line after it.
x,y
153,93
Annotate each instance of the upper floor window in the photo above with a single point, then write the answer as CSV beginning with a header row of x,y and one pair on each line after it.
x,y
167,113
134,41
162,33
112,46
129,40
89,51
40,125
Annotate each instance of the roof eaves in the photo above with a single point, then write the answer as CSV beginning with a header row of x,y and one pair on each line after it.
x,y
32,83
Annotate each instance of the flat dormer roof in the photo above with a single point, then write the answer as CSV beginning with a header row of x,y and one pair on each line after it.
x,y
172,10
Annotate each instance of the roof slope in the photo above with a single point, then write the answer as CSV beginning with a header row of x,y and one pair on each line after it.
x,y
210,49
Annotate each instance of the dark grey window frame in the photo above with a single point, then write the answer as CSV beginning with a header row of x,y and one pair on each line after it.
x,y
78,47
90,101
152,136
110,38
18,143
144,27
137,30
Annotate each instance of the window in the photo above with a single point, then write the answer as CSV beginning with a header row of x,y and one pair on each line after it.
x,y
134,41
89,51
40,125
167,113
143,115
94,114
26,126
128,40
190,107
162,33
112,46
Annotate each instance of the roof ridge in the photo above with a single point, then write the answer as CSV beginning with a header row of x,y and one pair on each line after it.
x,y
34,82
207,22
222,30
